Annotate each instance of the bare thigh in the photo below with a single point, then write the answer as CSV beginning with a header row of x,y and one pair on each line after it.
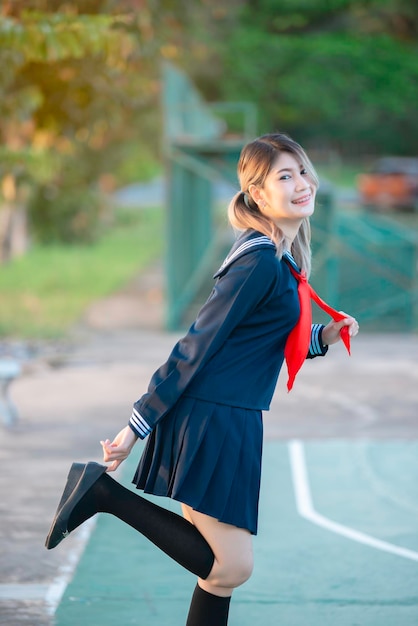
x,y
232,548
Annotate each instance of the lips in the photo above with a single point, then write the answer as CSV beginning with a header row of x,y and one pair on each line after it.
x,y
303,199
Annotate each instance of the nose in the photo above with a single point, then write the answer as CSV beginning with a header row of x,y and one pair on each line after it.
x,y
302,183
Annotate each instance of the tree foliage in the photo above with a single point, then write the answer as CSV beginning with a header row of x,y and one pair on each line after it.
x,y
79,94
336,72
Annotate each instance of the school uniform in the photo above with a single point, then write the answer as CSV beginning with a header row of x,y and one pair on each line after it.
x,y
203,408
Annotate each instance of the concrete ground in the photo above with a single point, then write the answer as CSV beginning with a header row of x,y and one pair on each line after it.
x,y
74,393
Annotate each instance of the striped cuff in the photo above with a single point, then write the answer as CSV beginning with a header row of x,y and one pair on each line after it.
x,y
316,347
140,427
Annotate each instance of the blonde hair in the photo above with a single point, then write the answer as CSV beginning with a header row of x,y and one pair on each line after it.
x,y
255,163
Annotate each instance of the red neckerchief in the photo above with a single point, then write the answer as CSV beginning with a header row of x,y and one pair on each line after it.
x,y
297,344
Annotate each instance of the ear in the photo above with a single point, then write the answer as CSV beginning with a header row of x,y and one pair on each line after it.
x,y
256,194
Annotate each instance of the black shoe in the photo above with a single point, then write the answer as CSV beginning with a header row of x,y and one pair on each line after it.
x,y
80,478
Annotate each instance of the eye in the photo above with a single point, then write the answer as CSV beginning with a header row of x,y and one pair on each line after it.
x,y
304,171
285,177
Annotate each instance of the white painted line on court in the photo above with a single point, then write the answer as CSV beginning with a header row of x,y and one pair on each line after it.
x,y
58,586
306,509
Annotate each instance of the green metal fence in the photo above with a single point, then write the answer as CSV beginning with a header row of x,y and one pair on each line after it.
x,y
367,264
199,151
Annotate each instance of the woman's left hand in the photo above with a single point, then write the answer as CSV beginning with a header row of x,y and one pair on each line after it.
x,y
331,332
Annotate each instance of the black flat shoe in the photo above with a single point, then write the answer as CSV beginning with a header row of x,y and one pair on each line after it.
x,y
80,478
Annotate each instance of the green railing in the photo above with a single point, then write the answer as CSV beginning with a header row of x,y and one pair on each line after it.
x,y
199,151
367,264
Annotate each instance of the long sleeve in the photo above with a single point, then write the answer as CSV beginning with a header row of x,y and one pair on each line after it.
x,y
236,294
316,347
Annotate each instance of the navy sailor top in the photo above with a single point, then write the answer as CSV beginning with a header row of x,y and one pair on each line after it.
x,y
233,352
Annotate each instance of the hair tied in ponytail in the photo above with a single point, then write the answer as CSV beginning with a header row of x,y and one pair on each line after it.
x,y
246,200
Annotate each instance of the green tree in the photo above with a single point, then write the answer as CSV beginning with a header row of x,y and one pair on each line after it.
x,y
337,72
55,108
79,95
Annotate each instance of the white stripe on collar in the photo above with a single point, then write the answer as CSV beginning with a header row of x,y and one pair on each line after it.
x,y
289,257
244,247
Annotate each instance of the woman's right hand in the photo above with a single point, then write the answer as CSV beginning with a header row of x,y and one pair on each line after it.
x,y
119,449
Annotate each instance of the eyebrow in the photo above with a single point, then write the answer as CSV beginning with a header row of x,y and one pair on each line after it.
x,y
289,169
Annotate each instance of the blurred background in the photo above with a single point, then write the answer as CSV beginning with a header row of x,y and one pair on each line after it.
x,y
122,120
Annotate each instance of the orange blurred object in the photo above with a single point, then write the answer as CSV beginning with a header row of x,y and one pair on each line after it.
x,y
391,184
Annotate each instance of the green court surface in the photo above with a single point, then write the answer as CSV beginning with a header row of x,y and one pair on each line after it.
x,y
337,546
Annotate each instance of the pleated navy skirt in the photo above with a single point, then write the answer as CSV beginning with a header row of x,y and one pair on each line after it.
x,y
207,456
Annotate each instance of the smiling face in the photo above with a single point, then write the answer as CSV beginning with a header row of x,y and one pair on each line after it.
x,y
288,193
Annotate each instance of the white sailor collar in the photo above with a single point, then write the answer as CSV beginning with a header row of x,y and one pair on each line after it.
x,y
244,245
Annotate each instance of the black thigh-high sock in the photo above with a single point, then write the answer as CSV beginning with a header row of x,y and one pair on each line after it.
x,y
170,532
207,609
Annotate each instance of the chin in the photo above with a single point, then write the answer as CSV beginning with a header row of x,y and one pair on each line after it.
x,y
306,211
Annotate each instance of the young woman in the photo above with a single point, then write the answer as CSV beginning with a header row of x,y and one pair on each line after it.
x,y
202,410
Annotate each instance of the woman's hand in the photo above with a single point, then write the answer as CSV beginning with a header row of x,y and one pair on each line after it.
x,y
119,449
331,332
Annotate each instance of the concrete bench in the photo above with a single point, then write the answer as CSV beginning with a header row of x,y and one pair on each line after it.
x,y
9,370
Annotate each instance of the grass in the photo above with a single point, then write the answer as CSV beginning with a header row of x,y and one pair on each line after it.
x,y
45,292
